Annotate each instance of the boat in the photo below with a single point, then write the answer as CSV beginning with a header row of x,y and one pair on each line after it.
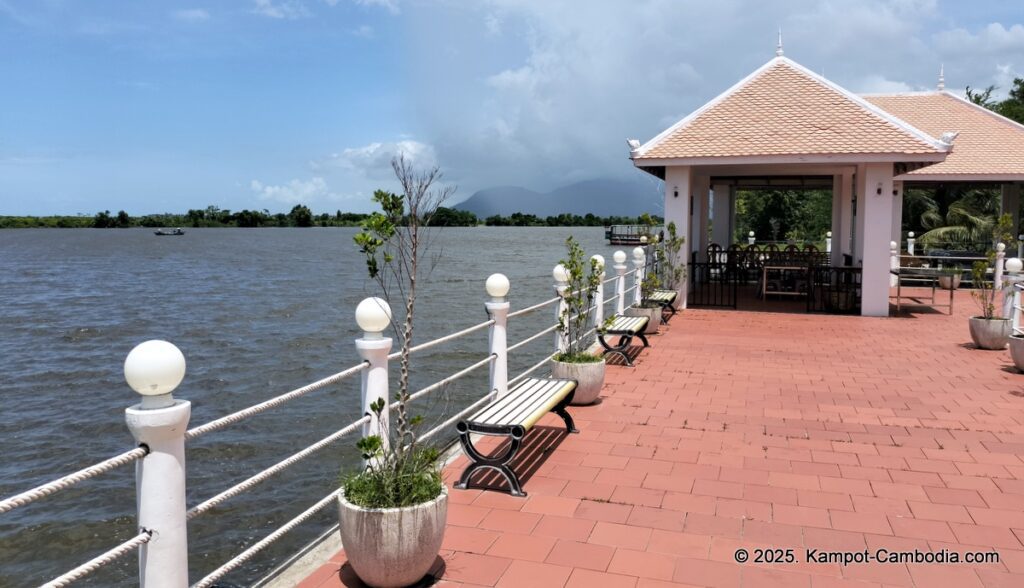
x,y
162,232
627,234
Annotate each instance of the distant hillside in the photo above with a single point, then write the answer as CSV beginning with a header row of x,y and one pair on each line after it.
x,y
599,197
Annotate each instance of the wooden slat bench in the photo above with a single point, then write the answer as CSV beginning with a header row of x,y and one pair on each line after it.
x,y
512,416
626,327
667,300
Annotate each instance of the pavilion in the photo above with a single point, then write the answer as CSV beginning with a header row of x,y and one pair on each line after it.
x,y
784,126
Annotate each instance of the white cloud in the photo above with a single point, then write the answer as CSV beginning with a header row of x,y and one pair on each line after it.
x,y
191,15
284,9
390,5
294,192
363,32
374,160
875,84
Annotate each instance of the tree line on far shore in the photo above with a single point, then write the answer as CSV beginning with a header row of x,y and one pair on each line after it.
x,y
300,216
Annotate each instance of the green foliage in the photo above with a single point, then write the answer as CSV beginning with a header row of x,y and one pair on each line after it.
x,y
1012,107
672,263
985,290
211,216
584,278
301,216
777,215
378,230
519,219
953,217
449,217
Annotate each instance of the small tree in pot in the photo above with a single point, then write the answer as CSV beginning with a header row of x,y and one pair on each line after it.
x,y
673,265
578,284
393,512
990,330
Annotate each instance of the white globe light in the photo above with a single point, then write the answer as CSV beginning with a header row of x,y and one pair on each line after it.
x,y
828,235
1000,247
619,257
893,245
1014,265
643,238
910,234
154,368
497,286
373,315
560,273
750,234
638,253
600,261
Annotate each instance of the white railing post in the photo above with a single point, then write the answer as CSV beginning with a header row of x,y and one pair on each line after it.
x,y
750,238
497,287
997,273
828,243
374,316
910,243
620,284
154,369
638,273
599,292
561,276
1015,317
1013,267
1020,246
894,263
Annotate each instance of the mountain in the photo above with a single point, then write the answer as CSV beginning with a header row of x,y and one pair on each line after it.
x,y
607,197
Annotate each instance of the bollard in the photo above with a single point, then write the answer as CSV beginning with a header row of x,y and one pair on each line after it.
x,y
828,242
497,287
750,238
599,292
910,243
638,273
561,276
373,316
620,284
894,263
154,369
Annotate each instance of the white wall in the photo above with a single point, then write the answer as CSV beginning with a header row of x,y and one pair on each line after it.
x,y
679,179
875,218
721,219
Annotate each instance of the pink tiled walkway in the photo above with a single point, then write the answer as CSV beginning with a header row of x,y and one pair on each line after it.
x,y
754,430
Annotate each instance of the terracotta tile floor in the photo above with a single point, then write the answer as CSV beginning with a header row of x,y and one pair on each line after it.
x,y
761,430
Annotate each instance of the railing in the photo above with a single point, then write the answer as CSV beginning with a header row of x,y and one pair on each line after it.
x,y
159,424
1017,309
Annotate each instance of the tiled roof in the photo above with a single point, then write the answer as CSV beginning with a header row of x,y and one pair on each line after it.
x,y
988,144
784,109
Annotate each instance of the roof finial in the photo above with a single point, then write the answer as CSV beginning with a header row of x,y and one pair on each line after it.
x,y
942,77
778,48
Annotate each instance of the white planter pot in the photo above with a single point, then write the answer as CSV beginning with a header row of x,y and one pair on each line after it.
x,y
392,547
950,282
652,313
990,333
589,379
1017,351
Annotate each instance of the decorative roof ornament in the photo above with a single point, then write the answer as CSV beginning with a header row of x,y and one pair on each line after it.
x,y
942,77
778,48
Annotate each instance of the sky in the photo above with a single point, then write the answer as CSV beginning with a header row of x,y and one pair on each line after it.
x,y
161,106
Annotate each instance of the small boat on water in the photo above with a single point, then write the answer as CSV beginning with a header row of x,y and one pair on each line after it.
x,y
162,232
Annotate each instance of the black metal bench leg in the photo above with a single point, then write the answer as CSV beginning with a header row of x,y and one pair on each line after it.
x,y
498,464
570,425
643,338
624,341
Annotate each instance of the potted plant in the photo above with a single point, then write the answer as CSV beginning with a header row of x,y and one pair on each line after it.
x,y
647,307
672,264
988,330
1017,351
392,513
577,362
950,276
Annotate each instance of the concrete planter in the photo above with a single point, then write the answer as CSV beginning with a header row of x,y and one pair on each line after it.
x,y
589,379
1017,351
652,313
990,333
950,282
392,547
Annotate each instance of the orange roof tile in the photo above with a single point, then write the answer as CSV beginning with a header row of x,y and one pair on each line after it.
x,y
784,109
988,144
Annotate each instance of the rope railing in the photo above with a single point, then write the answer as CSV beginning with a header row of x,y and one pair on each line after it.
x,y
262,544
534,308
451,421
522,375
446,381
101,560
445,339
69,480
533,338
274,469
273,402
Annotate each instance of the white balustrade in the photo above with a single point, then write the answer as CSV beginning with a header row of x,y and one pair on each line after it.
x,y
828,242
599,292
910,243
497,287
638,273
620,284
561,276
373,316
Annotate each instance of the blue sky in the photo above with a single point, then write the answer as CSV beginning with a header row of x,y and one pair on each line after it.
x,y
164,106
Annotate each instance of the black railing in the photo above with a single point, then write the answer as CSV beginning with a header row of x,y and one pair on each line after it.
x,y
835,290
712,285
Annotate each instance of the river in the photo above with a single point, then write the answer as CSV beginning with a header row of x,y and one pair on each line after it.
x,y
256,312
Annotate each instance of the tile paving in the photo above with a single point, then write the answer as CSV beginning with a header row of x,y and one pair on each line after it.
x,y
753,430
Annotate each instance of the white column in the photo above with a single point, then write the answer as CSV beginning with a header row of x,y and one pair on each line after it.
x,y
599,292
1010,203
154,369
844,242
638,273
875,224
721,211
860,194
911,240
374,316
894,262
897,211
497,287
678,187
620,282
828,244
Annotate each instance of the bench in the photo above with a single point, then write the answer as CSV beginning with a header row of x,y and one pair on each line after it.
x,y
512,416
626,327
667,300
